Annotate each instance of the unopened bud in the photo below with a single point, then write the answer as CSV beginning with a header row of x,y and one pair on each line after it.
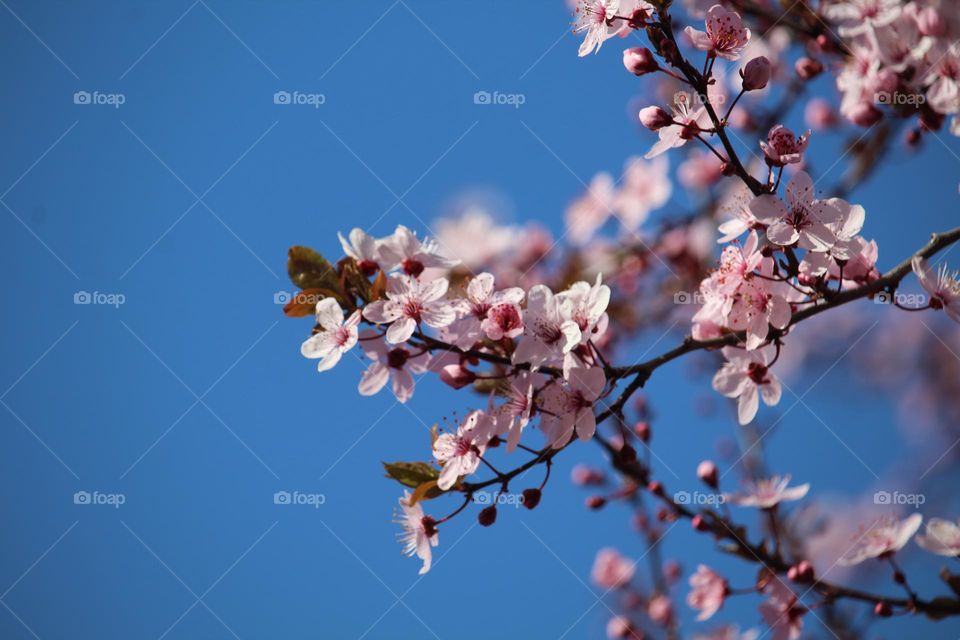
x,y
655,487
596,502
655,118
457,376
531,498
488,516
699,523
642,431
883,609
808,68
707,472
756,74
801,572
639,61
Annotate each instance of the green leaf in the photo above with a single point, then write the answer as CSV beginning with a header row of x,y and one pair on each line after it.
x,y
411,474
310,270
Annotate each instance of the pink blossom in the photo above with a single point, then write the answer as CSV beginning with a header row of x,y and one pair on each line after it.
x,y
514,414
735,207
747,377
620,627
943,78
767,493
782,611
708,591
596,20
783,147
390,363
943,287
758,304
413,255
485,311
460,452
725,35
689,118
611,570
367,251
639,61
644,187
335,336
819,114
569,409
660,609
587,214
883,538
700,170
728,632
548,331
942,538
802,220
410,302
419,532
857,17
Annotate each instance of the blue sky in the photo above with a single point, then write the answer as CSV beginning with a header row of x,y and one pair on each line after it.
x,y
190,398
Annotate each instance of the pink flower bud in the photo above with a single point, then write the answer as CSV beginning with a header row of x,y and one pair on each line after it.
x,y
660,609
596,502
639,61
699,523
707,472
883,609
457,376
864,114
642,430
655,118
756,74
808,68
819,114
931,23
583,475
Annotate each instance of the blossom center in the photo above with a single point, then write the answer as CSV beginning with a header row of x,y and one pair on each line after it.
x,y
397,358
412,267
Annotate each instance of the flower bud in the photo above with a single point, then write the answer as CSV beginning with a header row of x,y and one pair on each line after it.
x,y
801,572
584,475
808,68
596,502
819,114
864,114
639,61
457,376
707,472
655,118
531,498
728,169
824,43
656,488
756,74
488,516
699,523
642,431
883,609
912,137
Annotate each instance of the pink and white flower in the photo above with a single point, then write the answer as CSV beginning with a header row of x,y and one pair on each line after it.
x,y
802,220
335,336
419,532
390,363
410,302
589,212
549,333
943,287
858,17
782,611
366,250
645,187
942,538
596,20
708,591
883,538
783,147
944,80
484,311
413,255
514,415
689,118
758,304
611,570
570,409
768,493
725,35
460,452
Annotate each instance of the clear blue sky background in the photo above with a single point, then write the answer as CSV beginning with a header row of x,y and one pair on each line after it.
x,y
191,398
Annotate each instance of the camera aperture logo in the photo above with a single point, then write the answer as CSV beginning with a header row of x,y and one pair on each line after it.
x,y
314,100
515,100
115,100
299,498
99,298
115,500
